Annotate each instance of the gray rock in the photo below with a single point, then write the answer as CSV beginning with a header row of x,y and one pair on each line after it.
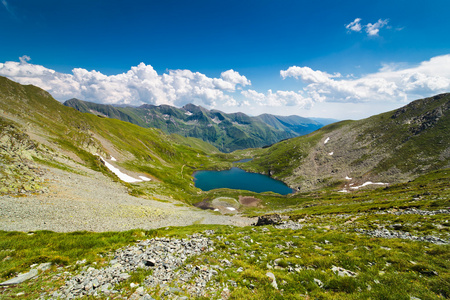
x,y
163,255
343,272
21,278
272,219
387,234
140,290
318,282
273,279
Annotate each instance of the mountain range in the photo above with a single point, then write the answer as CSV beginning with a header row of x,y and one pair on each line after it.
x,y
395,146
227,132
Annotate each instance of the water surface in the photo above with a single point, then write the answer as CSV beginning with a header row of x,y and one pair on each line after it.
x,y
243,160
239,179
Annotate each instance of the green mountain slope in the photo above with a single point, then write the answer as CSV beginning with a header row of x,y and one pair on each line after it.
x,y
37,129
227,132
390,147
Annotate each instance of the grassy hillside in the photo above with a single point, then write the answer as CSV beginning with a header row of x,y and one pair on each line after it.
x,y
390,147
227,132
60,130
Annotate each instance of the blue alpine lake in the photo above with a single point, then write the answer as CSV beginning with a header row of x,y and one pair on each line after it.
x,y
239,179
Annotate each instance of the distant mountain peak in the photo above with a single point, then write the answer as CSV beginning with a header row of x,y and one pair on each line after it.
x,y
228,132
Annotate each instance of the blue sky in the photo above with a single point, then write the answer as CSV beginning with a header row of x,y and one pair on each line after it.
x,y
340,59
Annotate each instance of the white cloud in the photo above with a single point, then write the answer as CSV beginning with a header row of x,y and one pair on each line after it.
x,y
393,83
141,84
355,25
371,29
307,74
24,59
279,98
374,29
389,83
235,78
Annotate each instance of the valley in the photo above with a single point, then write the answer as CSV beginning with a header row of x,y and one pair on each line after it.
x,y
335,237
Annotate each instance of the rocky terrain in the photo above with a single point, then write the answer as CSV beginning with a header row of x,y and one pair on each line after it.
x,y
93,202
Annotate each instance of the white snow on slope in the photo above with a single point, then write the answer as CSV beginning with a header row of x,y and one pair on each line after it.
x,y
331,153
113,159
326,141
231,208
367,183
348,178
122,176
144,178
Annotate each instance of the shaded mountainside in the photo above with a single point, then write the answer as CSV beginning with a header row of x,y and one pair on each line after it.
x,y
295,124
227,132
390,147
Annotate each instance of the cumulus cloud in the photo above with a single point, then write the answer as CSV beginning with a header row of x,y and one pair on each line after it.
x,y
374,29
235,78
141,84
390,83
307,74
279,98
355,25
24,59
371,29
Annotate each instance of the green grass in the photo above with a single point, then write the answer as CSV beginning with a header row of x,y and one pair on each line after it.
x,y
386,268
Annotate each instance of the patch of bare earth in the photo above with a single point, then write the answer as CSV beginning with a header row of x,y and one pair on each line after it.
x,y
249,201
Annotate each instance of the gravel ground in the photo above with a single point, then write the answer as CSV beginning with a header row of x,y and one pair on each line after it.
x,y
96,203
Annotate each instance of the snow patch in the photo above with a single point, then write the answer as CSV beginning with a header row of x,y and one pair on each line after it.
x,y
367,183
216,120
188,113
331,153
144,178
216,209
343,191
326,141
348,178
122,176
231,208
113,159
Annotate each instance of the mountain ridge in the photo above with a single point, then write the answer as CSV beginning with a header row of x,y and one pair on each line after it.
x,y
226,131
391,147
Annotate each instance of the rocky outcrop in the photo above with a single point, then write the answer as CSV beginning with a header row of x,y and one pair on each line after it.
x,y
18,173
163,256
272,219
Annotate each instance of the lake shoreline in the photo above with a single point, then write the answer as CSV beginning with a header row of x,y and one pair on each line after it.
x,y
239,179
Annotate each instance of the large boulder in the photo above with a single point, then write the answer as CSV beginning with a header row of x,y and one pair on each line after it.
x,y
272,219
